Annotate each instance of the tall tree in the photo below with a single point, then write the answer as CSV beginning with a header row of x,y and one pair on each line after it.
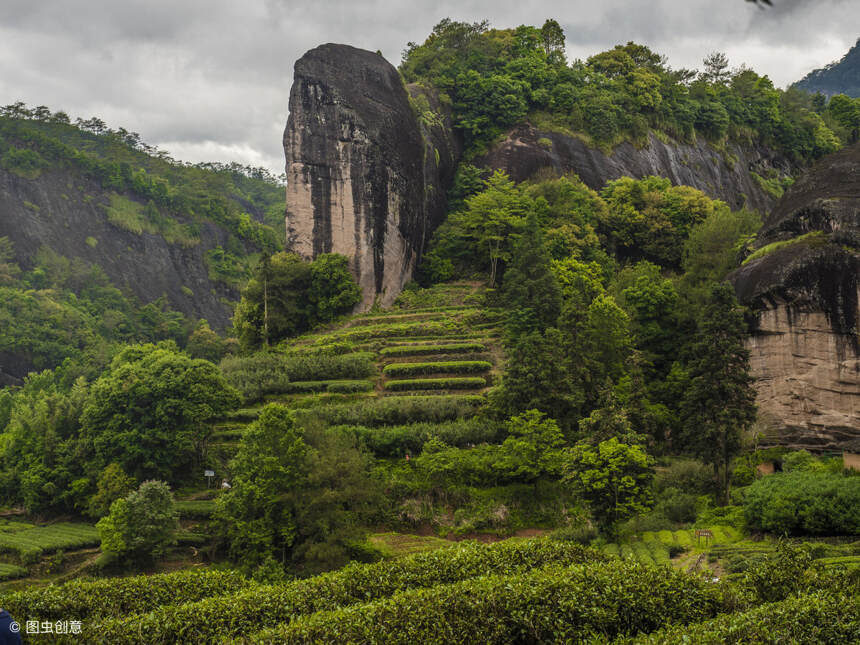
x,y
720,401
530,292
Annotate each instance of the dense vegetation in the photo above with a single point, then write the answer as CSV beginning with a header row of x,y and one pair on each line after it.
x,y
495,78
839,77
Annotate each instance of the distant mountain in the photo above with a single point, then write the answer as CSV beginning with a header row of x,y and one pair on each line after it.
x,y
840,77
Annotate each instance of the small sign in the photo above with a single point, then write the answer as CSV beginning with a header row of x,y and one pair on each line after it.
x,y
209,473
704,533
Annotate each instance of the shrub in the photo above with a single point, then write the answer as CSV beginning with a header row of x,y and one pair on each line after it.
x,y
451,383
216,619
803,620
120,596
801,503
439,367
423,350
395,410
686,475
336,387
553,604
395,441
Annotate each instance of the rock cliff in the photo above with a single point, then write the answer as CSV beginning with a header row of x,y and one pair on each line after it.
x,y
65,211
726,176
367,168
803,285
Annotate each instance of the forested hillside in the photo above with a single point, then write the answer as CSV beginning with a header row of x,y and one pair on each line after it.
x,y
104,239
839,77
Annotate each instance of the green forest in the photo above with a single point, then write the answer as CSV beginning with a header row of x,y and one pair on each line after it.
x,y
550,436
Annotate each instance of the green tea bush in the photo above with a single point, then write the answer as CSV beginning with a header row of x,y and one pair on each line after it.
x,y
809,619
31,543
273,373
439,367
395,410
215,619
804,503
395,441
424,350
83,599
10,571
555,604
195,508
451,383
337,387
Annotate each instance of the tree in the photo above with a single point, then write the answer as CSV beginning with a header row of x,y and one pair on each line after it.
x,y
716,68
205,344
846,111
112,485
141,525
613,478
295,497
530,289
532,449
288,295
492,221
552,37
719,403
333,289
150,411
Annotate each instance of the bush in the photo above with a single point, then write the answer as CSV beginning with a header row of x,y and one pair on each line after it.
x,y
440,367
809,619
216,619
85,599
462,383
686,475
553,604
396,441
423,350
395,410
335,387
802,503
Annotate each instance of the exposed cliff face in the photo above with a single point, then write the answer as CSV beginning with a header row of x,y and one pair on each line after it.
x,y
66,212
805,351
721,176
365,177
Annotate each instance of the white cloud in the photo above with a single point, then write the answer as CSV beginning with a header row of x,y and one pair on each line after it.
x,y
210,79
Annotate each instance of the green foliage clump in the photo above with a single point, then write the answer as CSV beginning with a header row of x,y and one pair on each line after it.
x,y
423,350
436,367
547,605
614,478
287,296
139,526
495,77
807,619
217,618
150,411
399,440
117,597
396,410
449,383
804,503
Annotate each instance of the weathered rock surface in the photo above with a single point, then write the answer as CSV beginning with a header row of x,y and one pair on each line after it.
x,y
805,350
365,177
63,210
720,176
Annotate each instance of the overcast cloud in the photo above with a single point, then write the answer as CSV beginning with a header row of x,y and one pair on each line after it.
x,y
209,80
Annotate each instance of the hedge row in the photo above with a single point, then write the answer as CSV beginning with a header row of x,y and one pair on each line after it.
x,y
196,508
551,605
395,410
451,383
424,350
214,619
337,387
30,544
810,619
395,441
82,599
437,367
10,571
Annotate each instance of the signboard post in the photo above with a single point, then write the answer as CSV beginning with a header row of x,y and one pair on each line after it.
x,y
208,474
704,533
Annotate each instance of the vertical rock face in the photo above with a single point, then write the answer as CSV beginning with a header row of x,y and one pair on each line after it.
x,y
720,175
805,351
365,178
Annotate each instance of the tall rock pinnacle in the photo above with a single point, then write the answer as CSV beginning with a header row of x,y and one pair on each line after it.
x,y
364,177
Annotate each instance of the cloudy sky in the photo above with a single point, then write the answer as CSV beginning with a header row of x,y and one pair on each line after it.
x,y
209,80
